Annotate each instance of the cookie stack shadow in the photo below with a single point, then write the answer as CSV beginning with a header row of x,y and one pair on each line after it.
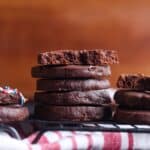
x,y
133,99
73,85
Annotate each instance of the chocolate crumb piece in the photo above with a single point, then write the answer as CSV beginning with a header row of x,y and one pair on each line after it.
x,y
78,57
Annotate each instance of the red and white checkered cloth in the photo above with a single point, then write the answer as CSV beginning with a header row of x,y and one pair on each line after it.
x,y
63,140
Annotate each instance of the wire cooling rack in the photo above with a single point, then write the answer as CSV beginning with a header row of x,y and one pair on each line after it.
x,y
91,126
44,126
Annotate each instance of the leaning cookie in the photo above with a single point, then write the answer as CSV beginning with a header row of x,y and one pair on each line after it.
x,y
13,114
10,96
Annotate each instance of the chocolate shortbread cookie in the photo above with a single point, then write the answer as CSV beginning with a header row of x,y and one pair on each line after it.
x,y
97,97
71,113
132,116
78,57
70,72
72,85
12,113
133,99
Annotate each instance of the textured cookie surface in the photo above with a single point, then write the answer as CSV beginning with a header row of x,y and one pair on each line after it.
x,y
96,97
134,81
72,85
133,99
78,57
70,72
12,114
70,113
132,116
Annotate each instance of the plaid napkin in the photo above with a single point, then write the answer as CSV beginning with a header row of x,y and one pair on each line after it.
x,y
67,140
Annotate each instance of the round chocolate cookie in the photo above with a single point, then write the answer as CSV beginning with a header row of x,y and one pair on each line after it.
x,y
132,116
71,113
132,99
97,97
72,85
13,113
70,72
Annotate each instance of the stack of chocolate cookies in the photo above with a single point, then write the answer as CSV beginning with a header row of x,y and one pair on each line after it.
x,y
133,99
73,85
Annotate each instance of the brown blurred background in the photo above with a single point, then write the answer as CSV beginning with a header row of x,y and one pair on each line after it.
x,y
29,27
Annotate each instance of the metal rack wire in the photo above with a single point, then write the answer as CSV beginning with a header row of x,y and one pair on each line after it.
x,y
91,126
44,126
11,131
